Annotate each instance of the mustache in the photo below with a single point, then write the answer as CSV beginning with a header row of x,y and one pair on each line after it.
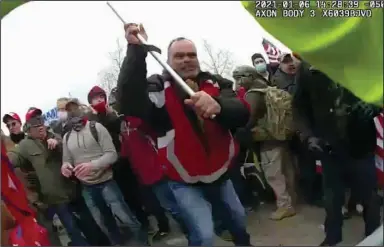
x,y
187,65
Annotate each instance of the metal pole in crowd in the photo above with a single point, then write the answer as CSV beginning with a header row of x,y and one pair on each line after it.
x,y
156,56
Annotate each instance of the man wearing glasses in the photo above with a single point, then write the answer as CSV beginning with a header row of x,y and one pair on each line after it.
x,y
13,123
38,162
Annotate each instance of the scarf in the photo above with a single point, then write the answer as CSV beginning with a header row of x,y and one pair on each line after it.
x,y
17,138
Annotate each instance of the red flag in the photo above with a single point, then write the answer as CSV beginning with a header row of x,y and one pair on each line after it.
x,y
12,190
272,51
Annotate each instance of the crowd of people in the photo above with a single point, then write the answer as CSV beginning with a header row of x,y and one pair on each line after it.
x,y
148,148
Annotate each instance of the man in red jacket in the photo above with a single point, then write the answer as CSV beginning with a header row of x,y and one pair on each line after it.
x,y
195,151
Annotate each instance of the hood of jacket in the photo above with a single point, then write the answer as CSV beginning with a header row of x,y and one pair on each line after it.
x,y
96,90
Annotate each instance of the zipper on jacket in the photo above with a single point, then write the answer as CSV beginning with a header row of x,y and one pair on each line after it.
x,y
78,142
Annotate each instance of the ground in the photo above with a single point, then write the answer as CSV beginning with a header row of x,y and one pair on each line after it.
x,y
304,229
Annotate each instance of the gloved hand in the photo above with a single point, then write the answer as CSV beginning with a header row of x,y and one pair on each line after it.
x,y
244,136
364,110
315,144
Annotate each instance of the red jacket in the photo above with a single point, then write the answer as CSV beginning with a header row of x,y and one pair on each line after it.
x,y
191,157
188,152
138,146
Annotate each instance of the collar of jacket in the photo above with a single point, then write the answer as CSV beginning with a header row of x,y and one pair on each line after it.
x,y
202,76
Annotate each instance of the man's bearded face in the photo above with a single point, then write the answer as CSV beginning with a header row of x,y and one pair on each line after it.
x,y
183,59
38,132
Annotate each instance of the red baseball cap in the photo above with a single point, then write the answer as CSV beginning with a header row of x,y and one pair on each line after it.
x,y
32,112
11,115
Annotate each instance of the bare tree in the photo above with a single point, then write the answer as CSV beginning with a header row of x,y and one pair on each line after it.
x,y
219,61
108,76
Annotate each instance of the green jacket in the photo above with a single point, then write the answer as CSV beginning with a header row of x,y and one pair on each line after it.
x,y
40,171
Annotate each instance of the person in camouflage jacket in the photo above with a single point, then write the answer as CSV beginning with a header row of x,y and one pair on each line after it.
x,y
275,156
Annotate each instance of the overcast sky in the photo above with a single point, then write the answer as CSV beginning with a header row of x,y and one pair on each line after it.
x,y
50,49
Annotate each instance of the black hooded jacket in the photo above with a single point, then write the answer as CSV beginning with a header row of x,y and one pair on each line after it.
x,y
332,113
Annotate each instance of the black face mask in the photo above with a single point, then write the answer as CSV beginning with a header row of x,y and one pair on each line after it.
x,y
16,138
77,123
76,119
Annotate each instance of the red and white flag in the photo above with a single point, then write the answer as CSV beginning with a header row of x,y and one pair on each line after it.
x,y
272,51
379,123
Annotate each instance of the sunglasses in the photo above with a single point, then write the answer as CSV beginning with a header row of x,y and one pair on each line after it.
x,y
36,121
10,125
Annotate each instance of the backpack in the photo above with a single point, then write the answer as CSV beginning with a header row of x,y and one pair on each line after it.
x,y
255,178
277,124
92,127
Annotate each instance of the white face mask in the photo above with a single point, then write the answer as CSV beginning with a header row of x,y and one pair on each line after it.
x,y
63,115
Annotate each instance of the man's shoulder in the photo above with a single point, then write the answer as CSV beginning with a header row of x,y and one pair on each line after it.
x,y
98,126
25,146
65,135
112,115
223,83
15,156
14,150
27,141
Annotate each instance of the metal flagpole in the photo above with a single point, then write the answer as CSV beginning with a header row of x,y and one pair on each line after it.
x,y
156,56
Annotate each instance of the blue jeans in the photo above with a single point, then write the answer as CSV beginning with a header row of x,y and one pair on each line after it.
x,y
168,202
194,203
67,218
106,203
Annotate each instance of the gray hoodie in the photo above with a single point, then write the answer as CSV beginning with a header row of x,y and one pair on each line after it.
x,y
82,147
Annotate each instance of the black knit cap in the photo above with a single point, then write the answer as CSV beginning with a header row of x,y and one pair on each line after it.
x,y
257,55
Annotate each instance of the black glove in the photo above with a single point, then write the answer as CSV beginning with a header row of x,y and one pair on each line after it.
x,y
364,110
315,144
244,136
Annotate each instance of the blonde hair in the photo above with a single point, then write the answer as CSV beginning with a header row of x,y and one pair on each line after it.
x,y
63,100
